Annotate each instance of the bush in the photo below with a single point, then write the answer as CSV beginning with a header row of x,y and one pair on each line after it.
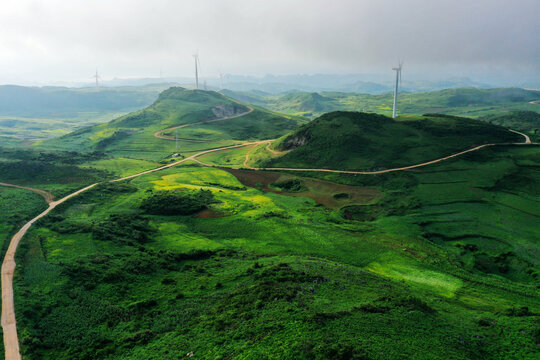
x,y
123,228
292,185
177,203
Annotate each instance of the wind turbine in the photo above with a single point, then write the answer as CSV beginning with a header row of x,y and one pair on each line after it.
x,y
197,64
97,77
220,81
398,82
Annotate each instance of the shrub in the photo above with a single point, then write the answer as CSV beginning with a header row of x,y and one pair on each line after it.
x,y
123,228
292,185
176,203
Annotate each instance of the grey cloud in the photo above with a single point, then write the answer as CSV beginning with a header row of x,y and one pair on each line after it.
x,y
56,39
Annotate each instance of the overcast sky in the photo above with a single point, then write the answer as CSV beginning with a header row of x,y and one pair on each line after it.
x,y
63,40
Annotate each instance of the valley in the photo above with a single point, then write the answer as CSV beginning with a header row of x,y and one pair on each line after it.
x,y
350,236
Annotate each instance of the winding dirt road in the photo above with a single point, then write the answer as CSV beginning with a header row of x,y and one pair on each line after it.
x,y
11,343
374,172
159,134
47,196
9,325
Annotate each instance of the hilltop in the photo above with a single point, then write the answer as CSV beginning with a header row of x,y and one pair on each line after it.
x,y
361,141
471,102
47,112
527,121
132,135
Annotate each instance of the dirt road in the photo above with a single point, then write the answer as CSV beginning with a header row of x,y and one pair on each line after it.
x,y
526,142
11,343
159,134
9,325
45,194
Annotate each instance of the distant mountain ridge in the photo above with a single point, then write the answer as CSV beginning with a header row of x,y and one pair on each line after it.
x,y
51,101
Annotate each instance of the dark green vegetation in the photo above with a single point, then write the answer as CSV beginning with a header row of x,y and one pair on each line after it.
x,y
17,206
58,172
433,267
132,135
437,263
526,121
291,185
469,102
34,113
175,203
362,141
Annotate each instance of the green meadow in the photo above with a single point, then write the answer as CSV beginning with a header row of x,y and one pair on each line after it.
x,y
223,262
260,268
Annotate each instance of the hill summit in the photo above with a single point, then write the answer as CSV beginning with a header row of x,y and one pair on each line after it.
x,y
362,141
133,135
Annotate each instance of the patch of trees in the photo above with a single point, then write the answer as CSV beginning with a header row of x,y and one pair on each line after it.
x,y
27,171
291,185
177,203
123,229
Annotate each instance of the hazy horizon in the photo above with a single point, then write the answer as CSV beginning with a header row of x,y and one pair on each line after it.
x,y
54,42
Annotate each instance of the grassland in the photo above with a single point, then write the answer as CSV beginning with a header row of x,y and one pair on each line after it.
x,y
469,102
259,268
437,263
60,173
131,136
48,112
362,141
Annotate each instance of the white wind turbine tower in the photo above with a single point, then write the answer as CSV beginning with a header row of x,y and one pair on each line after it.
x,y
97,77
398,82
197,64
220,81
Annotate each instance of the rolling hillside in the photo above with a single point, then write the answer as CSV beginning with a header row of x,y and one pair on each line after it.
x,y
132,135
469,102
526,121
361,141
47,112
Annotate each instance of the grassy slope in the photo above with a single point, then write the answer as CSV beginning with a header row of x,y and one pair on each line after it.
x,y
460,101
17,206
132,135
526,121
437,265
285,278
34,113
60,173
361,141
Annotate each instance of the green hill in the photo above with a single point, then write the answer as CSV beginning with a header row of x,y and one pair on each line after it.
x,y
527,121
310,102
360,141
132,135
469,102
47,112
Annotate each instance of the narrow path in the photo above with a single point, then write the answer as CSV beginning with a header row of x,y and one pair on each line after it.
x,y
526,142
247,157
527,138
159,134
11,342
44,194
9,325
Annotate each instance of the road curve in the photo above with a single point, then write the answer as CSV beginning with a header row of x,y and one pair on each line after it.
x,y
159,134
376,172
47,196
9,324
11,342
